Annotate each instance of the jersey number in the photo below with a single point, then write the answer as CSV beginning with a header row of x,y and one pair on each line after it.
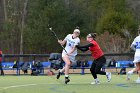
x,y
69,44
137,45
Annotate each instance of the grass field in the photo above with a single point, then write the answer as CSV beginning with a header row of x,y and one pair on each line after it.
x,y
78,84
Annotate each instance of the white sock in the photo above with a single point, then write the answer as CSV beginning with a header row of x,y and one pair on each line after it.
x,y
60,70
130,72
96,79
66,75
107,73
138,78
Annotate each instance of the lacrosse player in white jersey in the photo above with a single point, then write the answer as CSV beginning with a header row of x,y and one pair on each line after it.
x,y
68,55
136,47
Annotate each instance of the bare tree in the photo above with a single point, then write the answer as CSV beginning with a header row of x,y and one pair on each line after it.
x,y
22,25
5,12
1,14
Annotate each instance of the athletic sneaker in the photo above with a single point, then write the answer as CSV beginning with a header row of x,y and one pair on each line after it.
x,y
138,81
58,75
95,82
67,80
108,75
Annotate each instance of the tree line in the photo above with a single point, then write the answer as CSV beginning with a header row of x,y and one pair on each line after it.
x,y
24,24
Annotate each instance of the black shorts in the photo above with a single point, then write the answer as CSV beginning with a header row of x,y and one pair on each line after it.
x,y
98,63
101,60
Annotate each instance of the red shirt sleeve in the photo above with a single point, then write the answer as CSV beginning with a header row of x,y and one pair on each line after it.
x,y
0,56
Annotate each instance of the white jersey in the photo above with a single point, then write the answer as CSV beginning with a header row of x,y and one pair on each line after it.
x,y
136,43
70,43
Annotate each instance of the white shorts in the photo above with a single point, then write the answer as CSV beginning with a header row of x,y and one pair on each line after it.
x,y
72,58
136,59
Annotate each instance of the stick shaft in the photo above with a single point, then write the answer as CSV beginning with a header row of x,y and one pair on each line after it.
x,y
57,39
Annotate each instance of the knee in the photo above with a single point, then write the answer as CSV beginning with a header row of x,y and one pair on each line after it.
x,y
97,70
68,63
138,70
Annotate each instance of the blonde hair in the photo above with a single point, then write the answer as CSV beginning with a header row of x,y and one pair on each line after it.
x,y
77,30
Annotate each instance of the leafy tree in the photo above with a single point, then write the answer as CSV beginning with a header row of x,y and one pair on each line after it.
x,y
98,16
116,18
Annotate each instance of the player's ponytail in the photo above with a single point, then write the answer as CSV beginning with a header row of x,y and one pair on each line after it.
x,y
94,35
77,27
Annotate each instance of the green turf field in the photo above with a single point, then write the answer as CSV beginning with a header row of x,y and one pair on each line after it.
x,y
78,84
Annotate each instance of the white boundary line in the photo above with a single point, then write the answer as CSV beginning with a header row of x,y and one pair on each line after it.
x,y
25,85
16,86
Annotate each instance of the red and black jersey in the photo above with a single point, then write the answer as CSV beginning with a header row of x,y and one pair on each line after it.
x,y
95,50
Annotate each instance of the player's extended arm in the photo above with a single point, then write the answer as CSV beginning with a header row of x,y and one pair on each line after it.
x,y
84,47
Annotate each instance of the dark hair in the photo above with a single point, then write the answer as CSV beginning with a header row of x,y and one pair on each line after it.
x,y
77,27
93,35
